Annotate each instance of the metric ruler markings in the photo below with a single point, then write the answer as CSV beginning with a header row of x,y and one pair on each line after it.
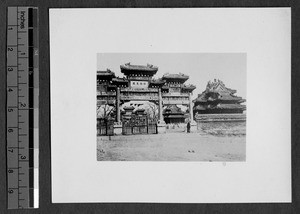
x,y
22,107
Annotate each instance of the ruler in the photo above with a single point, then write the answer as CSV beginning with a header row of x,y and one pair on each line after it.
x,y
22,134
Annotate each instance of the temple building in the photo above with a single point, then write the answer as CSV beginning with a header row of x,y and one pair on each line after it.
x,y
139,84
173,114
218,99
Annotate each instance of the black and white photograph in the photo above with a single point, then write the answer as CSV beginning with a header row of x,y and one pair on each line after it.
x,y
171,107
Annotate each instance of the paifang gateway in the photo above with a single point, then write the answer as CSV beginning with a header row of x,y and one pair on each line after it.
x,y
166,92
138,84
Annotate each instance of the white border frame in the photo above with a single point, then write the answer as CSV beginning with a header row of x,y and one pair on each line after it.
x,y
76,35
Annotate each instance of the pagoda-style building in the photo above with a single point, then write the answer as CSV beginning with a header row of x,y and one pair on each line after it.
x,y
173,114
139,84
218,99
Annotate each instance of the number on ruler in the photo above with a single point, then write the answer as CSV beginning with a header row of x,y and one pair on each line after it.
x,y
10,49
22,105
10,110
10,69
10,130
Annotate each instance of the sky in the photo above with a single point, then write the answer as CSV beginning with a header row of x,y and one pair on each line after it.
x,y
231,68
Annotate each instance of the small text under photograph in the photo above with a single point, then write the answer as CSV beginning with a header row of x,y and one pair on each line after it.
x,y
171,107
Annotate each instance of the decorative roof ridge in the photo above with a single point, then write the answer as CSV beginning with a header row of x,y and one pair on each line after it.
x,y
213,85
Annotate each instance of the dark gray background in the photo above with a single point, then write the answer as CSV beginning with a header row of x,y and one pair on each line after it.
x,y
45,164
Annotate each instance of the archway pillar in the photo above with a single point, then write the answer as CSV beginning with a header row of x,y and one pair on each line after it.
x,y
118,105
161,125
118,123
192,121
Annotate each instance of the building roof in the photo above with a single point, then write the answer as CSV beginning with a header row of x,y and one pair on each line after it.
x,y
157,81
201,98
218,86
217,91
189,87
220,106
175,77
173,109
119,80
128,68
225,96
230,106
106,73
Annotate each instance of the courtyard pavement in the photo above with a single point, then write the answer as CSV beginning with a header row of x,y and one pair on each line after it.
x,y
173,146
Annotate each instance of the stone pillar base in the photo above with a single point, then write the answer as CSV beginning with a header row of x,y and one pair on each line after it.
x,y
161,127
193,126
117,128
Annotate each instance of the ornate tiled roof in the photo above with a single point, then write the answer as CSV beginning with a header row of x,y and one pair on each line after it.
x,y
225,96
218,86
130,67
157,82
219,106
120,80
173,109
230,106
201,98
108,72
171,77
217,91
189,87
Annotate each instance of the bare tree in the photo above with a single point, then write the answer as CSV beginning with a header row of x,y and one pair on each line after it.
x,y
105,111
153,110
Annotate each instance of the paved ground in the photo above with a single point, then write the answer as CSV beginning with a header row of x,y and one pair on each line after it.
x,y
172,147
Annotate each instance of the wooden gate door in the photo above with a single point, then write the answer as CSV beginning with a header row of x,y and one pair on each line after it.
x,y
139,124
105,127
